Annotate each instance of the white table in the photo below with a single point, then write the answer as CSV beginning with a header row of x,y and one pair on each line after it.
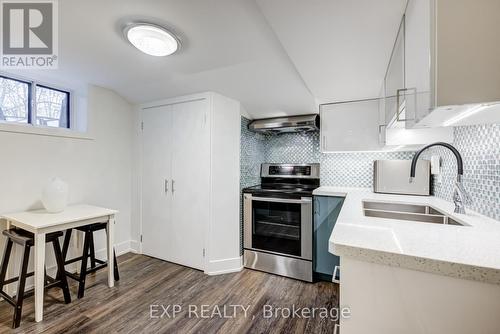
x,y
40,222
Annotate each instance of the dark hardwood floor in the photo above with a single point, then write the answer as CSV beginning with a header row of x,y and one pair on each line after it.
x,y
146,281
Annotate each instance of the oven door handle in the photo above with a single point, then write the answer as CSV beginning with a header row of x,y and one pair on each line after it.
x,y
304,200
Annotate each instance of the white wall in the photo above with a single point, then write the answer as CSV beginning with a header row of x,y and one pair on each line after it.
x,y
98,171
224,232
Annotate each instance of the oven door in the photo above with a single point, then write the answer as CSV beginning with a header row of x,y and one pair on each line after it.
x,y
278,225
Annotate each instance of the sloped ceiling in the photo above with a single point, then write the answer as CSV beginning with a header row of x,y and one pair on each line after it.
x,y
278,57
341,48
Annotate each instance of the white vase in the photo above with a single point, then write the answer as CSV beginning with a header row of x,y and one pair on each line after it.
x,y
55,195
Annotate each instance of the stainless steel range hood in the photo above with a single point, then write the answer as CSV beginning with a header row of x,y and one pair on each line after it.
x,y
278,125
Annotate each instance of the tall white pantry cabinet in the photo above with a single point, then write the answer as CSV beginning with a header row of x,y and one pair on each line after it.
x,y
190,174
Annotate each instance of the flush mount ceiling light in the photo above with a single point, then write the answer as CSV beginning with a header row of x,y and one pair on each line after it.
x,y
151,39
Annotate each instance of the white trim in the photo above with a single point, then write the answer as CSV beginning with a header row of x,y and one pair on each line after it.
x,y
135,247
207,228
224,266
140,174
120,249
30,129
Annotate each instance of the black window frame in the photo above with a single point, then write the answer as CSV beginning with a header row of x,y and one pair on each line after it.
x,y
30,96
32,86
68,109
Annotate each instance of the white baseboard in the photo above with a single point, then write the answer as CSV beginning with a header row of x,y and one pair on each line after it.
x,y
224,266
135,246
120,249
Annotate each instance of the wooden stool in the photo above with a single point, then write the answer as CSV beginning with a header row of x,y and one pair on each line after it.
x,y
88,251
26,240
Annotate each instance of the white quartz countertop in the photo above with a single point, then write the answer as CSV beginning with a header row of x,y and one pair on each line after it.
x,y
470,252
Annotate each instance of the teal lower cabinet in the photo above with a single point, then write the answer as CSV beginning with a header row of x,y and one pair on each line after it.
x,y
326,212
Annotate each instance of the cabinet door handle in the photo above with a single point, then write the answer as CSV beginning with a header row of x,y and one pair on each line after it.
x,y
380,127
334,276
166,186
173,188
398,100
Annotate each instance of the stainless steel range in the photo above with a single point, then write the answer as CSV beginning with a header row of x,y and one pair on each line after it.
x,y
278,220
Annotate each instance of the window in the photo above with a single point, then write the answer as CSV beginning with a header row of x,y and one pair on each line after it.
x,y
14,100
52,107
31,103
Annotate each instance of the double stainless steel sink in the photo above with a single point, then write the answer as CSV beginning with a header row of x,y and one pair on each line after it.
x,y
410,212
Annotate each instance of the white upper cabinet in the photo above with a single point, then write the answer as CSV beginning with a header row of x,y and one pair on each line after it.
x,y
362,126
451,63
382,125
350,126
418,69
409,66
394,81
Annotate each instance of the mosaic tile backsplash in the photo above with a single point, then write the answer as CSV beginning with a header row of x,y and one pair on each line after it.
x,y
252,155
479,146
337,169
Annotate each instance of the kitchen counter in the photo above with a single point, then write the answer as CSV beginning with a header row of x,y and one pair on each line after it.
x,y
468,252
